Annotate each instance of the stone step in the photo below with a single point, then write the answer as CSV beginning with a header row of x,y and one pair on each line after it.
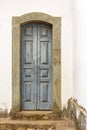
x,y
36,125
36,115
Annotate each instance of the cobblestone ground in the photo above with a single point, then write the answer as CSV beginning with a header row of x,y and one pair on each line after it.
x,y
36,125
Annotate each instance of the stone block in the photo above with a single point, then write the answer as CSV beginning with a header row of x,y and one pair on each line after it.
x,y
30,128
21,129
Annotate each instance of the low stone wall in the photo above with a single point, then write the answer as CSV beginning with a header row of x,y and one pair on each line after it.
x,y
77,114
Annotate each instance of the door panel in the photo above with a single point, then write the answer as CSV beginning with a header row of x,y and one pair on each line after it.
x,y
28,64
44,92
44,52
36,66
29,52
44,67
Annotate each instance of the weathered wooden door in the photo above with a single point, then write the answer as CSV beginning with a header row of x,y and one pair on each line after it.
x,y
36,67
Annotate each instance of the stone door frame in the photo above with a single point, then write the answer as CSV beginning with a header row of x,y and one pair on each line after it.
x,y
56,56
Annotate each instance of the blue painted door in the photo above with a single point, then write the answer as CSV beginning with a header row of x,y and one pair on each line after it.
x,y
36,66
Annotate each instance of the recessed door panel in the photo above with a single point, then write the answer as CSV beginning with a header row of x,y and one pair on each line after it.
x,y
44,52
36,67
29,52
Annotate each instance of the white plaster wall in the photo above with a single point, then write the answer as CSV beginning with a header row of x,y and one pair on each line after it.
x,y
9,8
80,51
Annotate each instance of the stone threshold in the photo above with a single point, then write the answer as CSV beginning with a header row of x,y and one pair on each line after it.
x,y
35,112
36,115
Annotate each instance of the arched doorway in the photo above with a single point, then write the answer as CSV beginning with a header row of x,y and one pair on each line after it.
x,y
54,24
